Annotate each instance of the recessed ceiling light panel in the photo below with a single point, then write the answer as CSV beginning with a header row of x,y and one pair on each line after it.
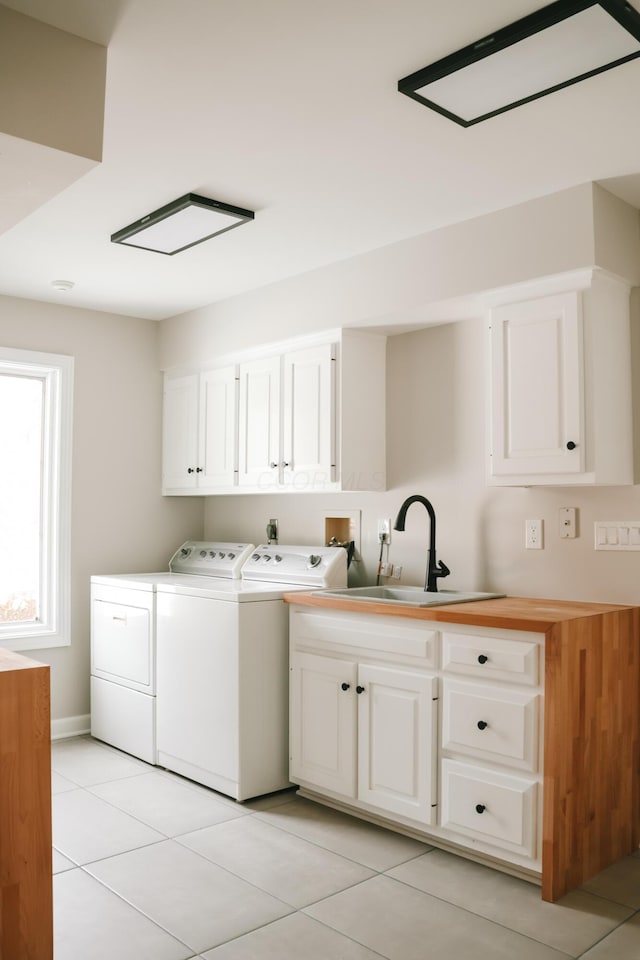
x,y
555,47
182,224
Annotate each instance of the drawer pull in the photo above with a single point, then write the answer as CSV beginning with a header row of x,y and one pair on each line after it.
x,y
120,619
482,724
345,686
480,807
359,689
483,658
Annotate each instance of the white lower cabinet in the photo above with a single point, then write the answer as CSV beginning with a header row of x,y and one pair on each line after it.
x,y
436,731
361,730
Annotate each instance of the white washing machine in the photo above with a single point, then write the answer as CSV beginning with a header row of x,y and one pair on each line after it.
x,y
123,641
223,669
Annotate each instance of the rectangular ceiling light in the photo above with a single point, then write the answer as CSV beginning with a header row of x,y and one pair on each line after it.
x,y
552,48
181,224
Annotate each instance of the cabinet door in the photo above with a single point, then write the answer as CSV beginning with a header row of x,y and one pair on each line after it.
x,y
309,417
397,741
218,440
180,433
323,723
259,428
537,387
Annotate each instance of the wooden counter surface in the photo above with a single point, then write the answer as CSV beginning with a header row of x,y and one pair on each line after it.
x,y
507,613
591,784
26,903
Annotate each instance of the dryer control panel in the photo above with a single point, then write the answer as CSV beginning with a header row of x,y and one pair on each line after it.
x,y
209,558
314,566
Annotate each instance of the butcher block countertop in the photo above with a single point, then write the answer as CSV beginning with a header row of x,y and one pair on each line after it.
x,y
591,768
506,613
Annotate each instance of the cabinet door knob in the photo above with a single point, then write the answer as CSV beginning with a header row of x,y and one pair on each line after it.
x,y
483,658
190,470
571,445
273,465
345,686
359,689
284,463
480,808
199,469
482,724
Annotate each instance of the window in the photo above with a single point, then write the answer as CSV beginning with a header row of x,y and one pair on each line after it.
x,y
36,392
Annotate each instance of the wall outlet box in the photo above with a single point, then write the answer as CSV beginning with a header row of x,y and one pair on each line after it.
x,y
533,534
384,530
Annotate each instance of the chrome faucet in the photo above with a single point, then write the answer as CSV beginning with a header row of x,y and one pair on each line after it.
x,y
434,570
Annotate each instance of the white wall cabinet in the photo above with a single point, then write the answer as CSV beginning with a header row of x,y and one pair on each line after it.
x,y
561,386
287,419
309,416
199,443
438,730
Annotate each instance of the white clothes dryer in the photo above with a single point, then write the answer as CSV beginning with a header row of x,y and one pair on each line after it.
x,y
223,668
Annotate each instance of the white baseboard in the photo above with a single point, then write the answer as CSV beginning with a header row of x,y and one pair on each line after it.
x,y
70,727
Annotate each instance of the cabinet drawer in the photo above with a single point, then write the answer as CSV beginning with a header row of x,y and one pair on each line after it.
x,y
491,723
492,658
489,807
327,629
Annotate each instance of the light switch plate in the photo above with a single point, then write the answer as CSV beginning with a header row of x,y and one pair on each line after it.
x,y
617,534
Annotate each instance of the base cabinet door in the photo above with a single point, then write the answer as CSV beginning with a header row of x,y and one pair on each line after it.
x,y
323,722
397,741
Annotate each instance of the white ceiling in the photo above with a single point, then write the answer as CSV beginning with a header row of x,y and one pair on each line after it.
x,y
290,108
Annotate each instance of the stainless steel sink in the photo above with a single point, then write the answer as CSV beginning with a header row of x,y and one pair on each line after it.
x,y
408,596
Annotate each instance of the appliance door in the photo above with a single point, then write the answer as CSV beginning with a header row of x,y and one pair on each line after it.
x,y
197,670
123,637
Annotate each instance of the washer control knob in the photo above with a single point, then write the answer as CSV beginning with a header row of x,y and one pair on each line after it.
x,y
255,556
231,556
277,558
315,560
221,555
203,553
266,558
185,552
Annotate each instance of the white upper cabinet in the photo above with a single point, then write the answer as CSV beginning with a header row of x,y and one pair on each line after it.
x,y
561,386
259,429
199,444
180,433
307,417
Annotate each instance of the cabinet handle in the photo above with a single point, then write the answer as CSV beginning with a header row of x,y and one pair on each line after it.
x,y
199,469
273,465
483,658
480,808
482,724
190,470
345,686
571,445
284,463
359,689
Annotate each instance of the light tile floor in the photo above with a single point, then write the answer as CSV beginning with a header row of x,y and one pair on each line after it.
x,y
149,866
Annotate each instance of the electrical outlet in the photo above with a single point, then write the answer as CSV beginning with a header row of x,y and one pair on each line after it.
x,y
397,571
386,570
384,531
533,534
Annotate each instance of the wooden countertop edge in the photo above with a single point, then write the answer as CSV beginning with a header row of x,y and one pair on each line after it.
x,y
10,660
506,613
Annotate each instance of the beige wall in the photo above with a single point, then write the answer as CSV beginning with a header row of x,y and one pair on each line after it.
x,y
120,522
436,446
401,282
